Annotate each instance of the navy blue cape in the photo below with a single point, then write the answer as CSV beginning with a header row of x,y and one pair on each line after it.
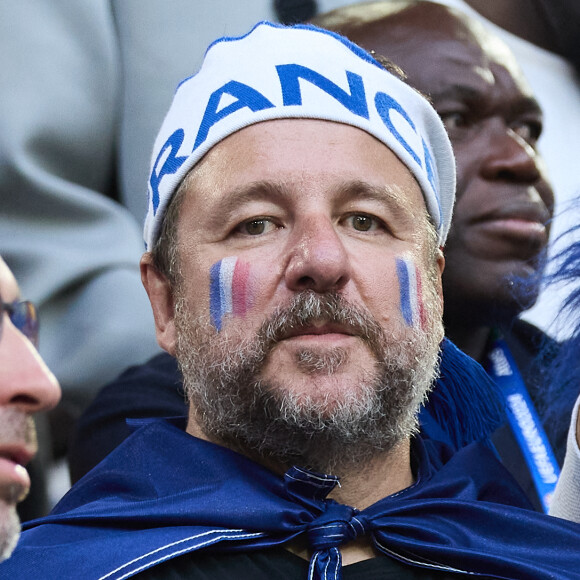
x,y
164,493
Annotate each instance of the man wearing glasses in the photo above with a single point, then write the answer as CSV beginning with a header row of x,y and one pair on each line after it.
x,y
26,387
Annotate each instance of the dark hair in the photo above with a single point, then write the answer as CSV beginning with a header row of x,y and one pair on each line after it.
x,y
165,252
564,373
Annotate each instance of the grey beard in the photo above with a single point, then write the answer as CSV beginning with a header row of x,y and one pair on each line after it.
x,y
236,408
16,428
9,529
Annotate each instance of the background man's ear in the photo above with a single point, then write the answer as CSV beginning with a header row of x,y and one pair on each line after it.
x,y
161,297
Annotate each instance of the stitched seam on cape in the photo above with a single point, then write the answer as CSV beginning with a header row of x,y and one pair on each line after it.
x,y
226,534
354,518
418,562
327,527
338,562
309,475
322,485
312,565
326,566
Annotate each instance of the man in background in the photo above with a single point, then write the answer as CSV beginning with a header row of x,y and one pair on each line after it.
x,y
26,387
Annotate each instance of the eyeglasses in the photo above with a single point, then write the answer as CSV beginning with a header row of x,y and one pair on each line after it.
x,y
24,317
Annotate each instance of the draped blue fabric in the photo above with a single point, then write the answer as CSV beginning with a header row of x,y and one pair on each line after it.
x,y
163,493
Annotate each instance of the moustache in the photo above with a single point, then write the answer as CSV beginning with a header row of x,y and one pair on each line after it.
x,y
309,308
17,428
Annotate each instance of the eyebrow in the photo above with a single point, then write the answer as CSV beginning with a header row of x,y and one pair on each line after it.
x,y
525,104
247,193
456,91
394,197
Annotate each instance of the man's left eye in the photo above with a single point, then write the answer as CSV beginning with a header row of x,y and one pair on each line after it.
x,y
528,130
362,223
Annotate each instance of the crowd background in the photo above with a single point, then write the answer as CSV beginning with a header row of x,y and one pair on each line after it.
x,y
85,87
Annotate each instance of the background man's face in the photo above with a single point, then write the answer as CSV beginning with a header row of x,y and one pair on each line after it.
x,y
503,201
26,386
307,208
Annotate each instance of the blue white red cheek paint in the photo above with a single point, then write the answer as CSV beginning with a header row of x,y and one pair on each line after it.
x,y
229,293
411,294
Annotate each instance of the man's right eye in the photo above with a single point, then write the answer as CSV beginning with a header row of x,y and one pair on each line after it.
x,y
256,227
453,120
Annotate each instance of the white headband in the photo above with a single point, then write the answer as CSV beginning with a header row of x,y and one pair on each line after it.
x,y
277,72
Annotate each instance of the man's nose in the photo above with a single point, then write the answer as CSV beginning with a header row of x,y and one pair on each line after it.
x,y
318,258
25,380
510,158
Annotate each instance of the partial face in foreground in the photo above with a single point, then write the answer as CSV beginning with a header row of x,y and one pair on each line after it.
x,y
308,316
26,387
500,222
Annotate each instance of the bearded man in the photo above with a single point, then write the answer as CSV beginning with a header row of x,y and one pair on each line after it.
x,y
497,239
299,196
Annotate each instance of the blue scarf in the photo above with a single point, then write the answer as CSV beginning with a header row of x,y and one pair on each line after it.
x,y
164,493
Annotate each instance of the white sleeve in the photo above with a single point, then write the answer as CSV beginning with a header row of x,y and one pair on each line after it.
x,y
566,501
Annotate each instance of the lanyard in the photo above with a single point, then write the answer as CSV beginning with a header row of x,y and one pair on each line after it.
x,y
525,422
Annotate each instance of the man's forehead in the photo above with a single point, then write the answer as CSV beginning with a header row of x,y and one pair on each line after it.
x,y
496,54
406,34
9,290
270,160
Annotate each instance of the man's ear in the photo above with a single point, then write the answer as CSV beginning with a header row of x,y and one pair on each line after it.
x,y
161,297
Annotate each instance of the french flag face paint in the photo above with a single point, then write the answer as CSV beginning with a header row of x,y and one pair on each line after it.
x,y
411,295
228,290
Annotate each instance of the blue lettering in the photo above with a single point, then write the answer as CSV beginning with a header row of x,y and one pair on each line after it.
x,y
385,104
170,166
246,97
290,74
429,168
